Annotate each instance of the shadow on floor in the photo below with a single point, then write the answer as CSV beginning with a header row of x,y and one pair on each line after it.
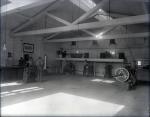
x,y
78,86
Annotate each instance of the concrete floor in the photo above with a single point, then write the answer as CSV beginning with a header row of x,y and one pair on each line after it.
x,y
65,95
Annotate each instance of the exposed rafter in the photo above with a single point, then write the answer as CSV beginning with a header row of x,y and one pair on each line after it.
x,y
86,6
34,18
80,5
114,22
58,19
20,5
114,15
117,36
103,15
89,13
23,16
90,33
66,23
89,6
80,19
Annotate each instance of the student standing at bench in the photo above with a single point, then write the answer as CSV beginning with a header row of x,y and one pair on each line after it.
x,y
40,65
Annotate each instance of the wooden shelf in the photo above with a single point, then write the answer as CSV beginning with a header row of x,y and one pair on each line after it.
x,y
92,60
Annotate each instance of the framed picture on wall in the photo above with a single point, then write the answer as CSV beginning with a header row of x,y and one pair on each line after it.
x,y
28,48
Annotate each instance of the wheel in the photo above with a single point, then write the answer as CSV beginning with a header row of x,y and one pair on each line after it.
x,y
122,74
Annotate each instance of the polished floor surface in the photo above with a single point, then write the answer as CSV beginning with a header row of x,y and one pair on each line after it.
x,y
66,95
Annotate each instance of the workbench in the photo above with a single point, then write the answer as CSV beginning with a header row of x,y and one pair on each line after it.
x,y
9,73
93,60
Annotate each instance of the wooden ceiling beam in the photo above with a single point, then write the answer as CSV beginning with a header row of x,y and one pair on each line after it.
x,y
104,37
114,22
20,5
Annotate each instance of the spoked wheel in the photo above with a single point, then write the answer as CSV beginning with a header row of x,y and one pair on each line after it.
x,y
122,74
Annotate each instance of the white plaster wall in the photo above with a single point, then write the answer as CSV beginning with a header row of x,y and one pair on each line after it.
x,y
50,51
15,46
8,42
18,47
133,49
